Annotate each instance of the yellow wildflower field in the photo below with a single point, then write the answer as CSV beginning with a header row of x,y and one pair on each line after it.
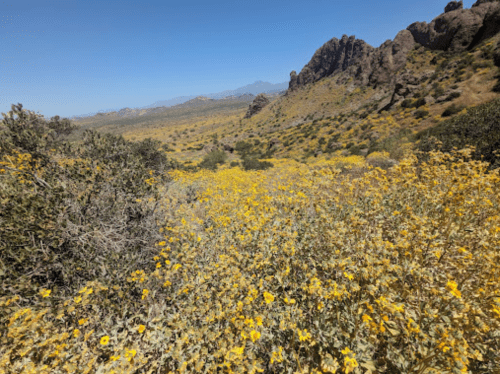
x,y
328,267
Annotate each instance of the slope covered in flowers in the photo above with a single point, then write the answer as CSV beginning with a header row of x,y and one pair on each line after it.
x,y
331,267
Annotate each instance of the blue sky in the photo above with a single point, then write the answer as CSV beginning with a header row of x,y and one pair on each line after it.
x,y
73,57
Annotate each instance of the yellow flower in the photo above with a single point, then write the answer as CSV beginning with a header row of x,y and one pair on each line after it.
x,y
268,297
259,321
162,243
249,322
105,340
115,358
254,335
303,336
346,351
82,321
130,354
145,293
452,287
277,356
177,266
78,299
366,318
141,328
158,265
76,333
349,276
45,293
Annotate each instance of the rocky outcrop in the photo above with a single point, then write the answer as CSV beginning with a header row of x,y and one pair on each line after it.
x,y
273,143
455,30
257,105
333,57
390,57
459,29
479,2
367,65
454,5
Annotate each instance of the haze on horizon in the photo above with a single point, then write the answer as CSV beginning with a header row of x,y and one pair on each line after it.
x,y
67,58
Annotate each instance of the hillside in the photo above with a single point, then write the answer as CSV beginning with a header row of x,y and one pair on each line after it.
x,y
353,108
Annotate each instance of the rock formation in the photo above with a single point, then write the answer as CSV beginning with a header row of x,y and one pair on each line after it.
x,y
455,30
257,105
333,57
459,29
454,5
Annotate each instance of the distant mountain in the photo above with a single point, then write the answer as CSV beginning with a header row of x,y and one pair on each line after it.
x,y
253,89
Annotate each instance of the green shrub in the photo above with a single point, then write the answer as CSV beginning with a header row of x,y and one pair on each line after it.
x,y
452,96
452,109
421,113
479,127
234,164
212,160
71,213
406,103
250,163
242,148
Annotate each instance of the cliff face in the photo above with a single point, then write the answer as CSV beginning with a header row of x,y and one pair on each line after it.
x,y
455,30
333,57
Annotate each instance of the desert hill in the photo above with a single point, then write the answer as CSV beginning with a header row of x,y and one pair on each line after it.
x,y
350,98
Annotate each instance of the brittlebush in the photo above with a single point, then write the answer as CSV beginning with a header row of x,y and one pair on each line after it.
x,y
296,269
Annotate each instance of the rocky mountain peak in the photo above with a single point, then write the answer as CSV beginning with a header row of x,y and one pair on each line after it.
x,y
456,30
454,5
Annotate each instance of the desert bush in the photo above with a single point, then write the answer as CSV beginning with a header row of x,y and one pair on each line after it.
x,y
479,127
380,159
72,212
452,109
421,113
250,163
212,160
452,96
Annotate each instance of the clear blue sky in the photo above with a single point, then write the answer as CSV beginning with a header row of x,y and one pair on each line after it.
x,y
72,57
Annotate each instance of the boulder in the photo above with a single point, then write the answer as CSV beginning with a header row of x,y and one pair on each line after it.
x,y
273,143
334,146
228,148
479,2
459,29
257,105
453,5
210,148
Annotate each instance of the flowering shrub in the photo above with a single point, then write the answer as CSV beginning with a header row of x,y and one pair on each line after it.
x,y
297,269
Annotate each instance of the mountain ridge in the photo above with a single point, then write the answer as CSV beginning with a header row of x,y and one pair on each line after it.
x,y
455,30
254,88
